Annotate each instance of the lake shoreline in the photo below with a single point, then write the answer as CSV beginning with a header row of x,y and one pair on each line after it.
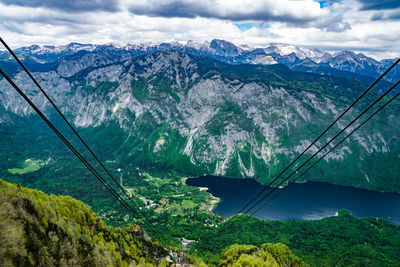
x,y
301,201
285,184
214,200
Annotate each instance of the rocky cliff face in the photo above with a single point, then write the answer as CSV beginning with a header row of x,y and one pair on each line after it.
x,y
211,117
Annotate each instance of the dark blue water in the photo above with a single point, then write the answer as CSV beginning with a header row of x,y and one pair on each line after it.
x,y
308,201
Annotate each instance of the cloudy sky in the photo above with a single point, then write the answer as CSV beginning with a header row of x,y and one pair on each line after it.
x,y
368,26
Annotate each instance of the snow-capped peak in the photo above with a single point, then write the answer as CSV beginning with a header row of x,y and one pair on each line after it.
x,y
118,45
302,53
197,45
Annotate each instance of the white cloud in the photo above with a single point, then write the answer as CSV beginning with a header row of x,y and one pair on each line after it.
x,y
342,27
298,11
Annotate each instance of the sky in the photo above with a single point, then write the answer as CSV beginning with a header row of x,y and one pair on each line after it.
x,y
368,26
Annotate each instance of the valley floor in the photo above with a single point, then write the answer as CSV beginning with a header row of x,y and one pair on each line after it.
x,y
183,212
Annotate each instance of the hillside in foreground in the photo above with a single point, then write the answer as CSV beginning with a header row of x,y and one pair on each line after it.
x,y
47,230
341,240
273,255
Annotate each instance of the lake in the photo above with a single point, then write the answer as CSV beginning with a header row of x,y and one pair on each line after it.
x,y
306,201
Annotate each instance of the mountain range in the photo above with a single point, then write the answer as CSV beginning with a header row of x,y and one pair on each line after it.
x,y
206,108
343,63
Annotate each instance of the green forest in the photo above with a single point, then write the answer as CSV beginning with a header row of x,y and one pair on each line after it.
x,y
47,230
341,240
83,225
267,255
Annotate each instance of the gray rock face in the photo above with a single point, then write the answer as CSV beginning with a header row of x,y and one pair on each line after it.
x,y
226,125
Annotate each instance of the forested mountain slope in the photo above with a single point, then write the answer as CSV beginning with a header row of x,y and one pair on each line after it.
x,y
46,230
41,230
192,115
341,240
273,255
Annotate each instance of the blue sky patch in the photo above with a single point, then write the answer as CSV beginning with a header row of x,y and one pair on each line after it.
x,y
324,3
244,26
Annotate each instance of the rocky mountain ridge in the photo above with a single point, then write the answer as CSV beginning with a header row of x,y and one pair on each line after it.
x,y
299,58
195,115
